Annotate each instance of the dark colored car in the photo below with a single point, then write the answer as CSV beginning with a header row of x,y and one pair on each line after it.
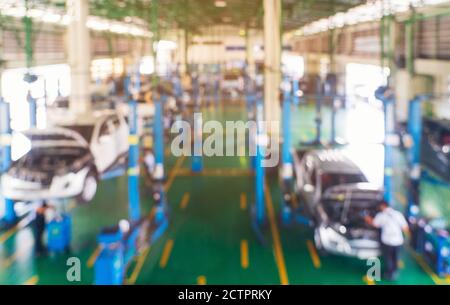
x,y
436,146
338,197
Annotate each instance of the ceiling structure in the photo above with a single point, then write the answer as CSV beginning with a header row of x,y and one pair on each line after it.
x,y
196,14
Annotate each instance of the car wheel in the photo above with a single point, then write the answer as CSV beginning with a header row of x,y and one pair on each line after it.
x,y
89,188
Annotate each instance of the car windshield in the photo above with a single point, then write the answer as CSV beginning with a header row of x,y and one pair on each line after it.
x,y
332,179
84,130
50,158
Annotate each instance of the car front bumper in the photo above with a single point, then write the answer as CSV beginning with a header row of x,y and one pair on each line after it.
x,y
335,243
20,190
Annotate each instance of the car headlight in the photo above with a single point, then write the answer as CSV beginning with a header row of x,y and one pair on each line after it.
x,y
63,181
339,241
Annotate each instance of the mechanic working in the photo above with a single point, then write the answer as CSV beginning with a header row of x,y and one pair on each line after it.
x,y
38,226
392,224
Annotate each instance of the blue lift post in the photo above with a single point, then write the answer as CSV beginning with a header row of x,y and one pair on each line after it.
x,y
386,95
116,252
159,195
318,119
286,158
414,154
329,90
196,159
133,155
426,240
9,218
295,92
258,210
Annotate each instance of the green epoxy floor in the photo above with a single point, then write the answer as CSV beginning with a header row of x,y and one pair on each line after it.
x,y
207,234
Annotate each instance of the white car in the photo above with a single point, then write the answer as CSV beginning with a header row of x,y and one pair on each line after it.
x,y
67,161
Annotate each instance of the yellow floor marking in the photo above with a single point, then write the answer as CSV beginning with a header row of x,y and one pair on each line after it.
x,y
173,173
368,281
222,172
141,258
32,280
243,201
243,161
184,201
278,250
425,267
93,258
139,264
201,280
166,253
313,253
5,236
244,254
400,198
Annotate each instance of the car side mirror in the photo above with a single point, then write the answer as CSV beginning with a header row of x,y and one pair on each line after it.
x,y
309,188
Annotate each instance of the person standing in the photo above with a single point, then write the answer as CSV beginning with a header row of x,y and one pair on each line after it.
x,y
393,225
39,225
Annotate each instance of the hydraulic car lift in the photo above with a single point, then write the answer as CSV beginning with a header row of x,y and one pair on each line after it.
x,y
258,212
429,241
325,90
129,238
392,139
288,213
196,159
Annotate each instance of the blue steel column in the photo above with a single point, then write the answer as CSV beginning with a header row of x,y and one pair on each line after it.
x,y
158,134
259,168
414,155
387,97
196,159
133,158
10,216
319,100
295,91
286,158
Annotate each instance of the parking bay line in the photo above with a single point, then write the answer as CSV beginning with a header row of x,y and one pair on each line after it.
x,y
32,280
201,280
244,254
184,201
143,256
313,253
173,173
278,250
243,201
166,254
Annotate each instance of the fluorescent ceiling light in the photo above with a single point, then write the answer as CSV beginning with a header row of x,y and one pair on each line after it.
x,y
220,3
371,11
58,16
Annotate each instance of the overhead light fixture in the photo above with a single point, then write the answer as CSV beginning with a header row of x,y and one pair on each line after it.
x,y
220,3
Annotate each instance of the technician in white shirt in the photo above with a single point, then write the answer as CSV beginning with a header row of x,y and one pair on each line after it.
x,y
393,225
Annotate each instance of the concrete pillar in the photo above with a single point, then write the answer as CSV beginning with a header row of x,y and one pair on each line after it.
x,y
181,52
272,59
79,56
249,51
